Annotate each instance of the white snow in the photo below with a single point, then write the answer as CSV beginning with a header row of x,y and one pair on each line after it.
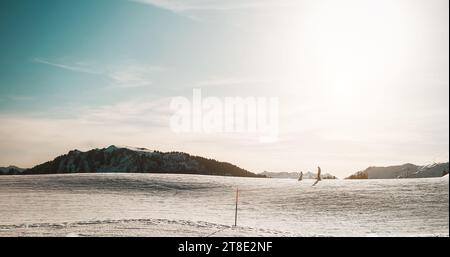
x,y
193,205
296,175
132,148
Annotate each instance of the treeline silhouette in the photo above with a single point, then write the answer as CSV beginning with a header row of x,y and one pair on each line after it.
x,y
359,175
113,159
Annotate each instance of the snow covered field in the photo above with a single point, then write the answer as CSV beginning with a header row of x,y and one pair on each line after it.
x,y
192,205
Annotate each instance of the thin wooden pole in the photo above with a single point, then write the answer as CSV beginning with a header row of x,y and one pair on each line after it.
x,y
235,210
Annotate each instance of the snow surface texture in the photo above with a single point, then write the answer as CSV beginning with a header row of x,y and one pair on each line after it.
x,y
296,175
195,205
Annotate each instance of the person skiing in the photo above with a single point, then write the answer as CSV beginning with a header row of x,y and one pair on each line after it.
x,y
319,178
301,176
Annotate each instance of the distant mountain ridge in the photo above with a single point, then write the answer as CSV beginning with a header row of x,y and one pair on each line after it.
x,y
296,175
13,170
135,160
407,170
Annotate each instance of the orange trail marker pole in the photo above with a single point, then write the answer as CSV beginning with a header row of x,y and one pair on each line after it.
x,y
235,210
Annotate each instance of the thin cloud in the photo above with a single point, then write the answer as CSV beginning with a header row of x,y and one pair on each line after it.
x,y
123,76
143,114
77,68
127,79
130,76
227,82
179,6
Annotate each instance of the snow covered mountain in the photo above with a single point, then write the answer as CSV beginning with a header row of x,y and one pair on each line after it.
x,y
432,170
295,175
136,160
407,170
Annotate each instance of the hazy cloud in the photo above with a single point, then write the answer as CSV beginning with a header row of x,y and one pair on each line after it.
x,y
77,68
228,82
128,75
199,5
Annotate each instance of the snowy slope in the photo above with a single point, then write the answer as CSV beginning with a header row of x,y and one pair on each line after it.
x,y
108,204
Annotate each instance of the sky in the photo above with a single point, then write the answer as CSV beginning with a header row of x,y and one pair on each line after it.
x,y
360,82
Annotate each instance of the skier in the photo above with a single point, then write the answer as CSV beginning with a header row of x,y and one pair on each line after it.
x,y
301,176
318,176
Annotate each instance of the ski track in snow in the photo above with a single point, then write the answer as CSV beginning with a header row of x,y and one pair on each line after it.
x,y
195,205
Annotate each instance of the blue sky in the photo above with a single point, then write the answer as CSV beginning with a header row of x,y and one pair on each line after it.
x,y
97,36
360,83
